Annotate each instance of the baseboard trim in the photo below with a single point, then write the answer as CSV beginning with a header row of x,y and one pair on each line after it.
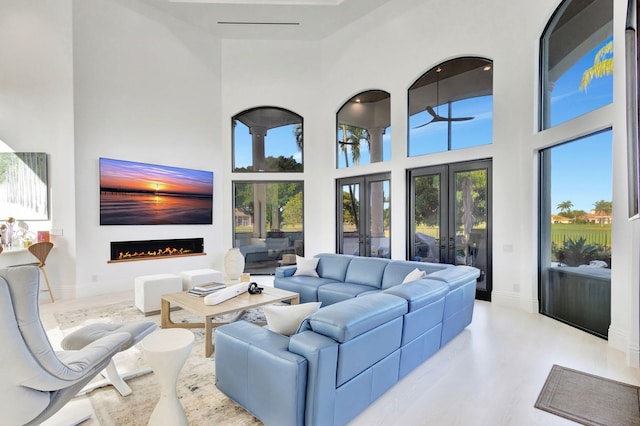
x,y
617,338
513,300
633,356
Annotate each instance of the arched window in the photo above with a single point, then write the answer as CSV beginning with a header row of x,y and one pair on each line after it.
x,y
364,129
451,107
267,139
577,61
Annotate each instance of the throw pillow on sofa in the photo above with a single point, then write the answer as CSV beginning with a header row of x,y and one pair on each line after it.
x,y
306,267
414,275
286,319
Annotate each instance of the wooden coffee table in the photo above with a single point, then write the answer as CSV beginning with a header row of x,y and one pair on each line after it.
x,y
196,305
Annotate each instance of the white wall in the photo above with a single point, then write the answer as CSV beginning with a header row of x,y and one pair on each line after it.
x,y
36,114
147,89
283,74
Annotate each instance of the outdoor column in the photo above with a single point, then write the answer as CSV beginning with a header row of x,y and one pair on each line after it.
x,y
375,143
258,134
377,189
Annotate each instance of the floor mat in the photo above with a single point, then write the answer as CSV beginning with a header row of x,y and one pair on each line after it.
x,y
589,399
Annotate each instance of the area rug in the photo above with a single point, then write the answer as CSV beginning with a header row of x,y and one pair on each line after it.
x,y
203,403
588,399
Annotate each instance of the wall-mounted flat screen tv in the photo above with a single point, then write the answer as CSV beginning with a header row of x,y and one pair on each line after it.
x,y
24,192
148,194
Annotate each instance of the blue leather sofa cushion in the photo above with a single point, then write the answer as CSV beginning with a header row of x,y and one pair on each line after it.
x,y
336,292
333,266
457,276
367,349
420,293
351,318
396,271
366,271
285,271
255,369
306,287
358,393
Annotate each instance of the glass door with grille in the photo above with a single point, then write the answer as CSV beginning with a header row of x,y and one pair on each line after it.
x,y
363,214
449,217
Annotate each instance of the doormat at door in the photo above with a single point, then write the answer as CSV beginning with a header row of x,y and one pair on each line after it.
x,y
588,399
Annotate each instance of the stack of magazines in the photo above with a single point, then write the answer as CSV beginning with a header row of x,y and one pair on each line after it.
x,y
202,290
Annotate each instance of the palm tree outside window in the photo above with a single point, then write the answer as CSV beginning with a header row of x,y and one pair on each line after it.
x,y
364,130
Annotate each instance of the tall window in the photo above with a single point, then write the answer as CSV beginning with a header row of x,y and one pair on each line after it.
x,y
364,129
267,139
577,61
268,223
575,232
451,107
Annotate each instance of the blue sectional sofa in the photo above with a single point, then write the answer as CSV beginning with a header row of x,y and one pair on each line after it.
x,y
369,334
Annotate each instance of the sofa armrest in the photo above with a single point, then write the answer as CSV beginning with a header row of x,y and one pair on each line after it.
x,y
285,271
255,368
321,353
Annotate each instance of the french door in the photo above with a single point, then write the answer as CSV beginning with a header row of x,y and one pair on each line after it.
x,y
450,217
364,204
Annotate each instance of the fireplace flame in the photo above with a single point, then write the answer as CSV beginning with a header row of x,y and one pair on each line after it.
x,y
168,251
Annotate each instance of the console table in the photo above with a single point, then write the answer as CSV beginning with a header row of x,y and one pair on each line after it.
x,y
15,256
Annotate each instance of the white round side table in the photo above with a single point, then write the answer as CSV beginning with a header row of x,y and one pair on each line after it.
x,y
166,350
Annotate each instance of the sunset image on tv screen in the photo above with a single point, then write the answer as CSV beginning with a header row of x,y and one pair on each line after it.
x,y
147,194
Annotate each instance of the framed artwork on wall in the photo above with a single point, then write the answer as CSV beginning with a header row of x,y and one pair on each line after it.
x,y
24,191
134,193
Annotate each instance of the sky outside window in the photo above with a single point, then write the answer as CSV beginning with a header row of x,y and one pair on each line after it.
x,y
568,101
279,141
433,137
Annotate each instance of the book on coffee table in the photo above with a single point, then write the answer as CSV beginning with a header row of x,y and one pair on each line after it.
x,y
201,290
209,286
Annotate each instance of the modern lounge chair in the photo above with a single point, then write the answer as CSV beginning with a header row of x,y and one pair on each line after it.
x,y
79,339
36,380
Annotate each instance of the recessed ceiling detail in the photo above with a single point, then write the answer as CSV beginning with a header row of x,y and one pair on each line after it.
x,y
267,2
256,23
271,19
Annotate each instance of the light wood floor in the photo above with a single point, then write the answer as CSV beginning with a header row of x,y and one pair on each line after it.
x,y
490,374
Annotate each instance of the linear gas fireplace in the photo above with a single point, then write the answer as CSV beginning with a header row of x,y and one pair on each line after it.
x,y
126,251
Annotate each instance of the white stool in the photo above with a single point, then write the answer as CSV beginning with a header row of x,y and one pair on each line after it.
x,y
200,276
149,289
166,351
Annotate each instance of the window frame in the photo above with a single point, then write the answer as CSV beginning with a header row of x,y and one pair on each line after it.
x,y
234,118
376,96
450,144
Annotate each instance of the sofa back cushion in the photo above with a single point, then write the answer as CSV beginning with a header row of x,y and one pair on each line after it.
x,y
456,277
333,266
397,270
366,271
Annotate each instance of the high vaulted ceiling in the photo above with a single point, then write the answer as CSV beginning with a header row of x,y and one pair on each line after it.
x,y
268,19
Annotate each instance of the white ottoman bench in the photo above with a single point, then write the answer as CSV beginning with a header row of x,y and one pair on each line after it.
x,y
149,288
200,276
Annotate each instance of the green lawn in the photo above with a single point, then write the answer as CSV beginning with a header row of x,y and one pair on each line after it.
x,y
560,232
593,233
